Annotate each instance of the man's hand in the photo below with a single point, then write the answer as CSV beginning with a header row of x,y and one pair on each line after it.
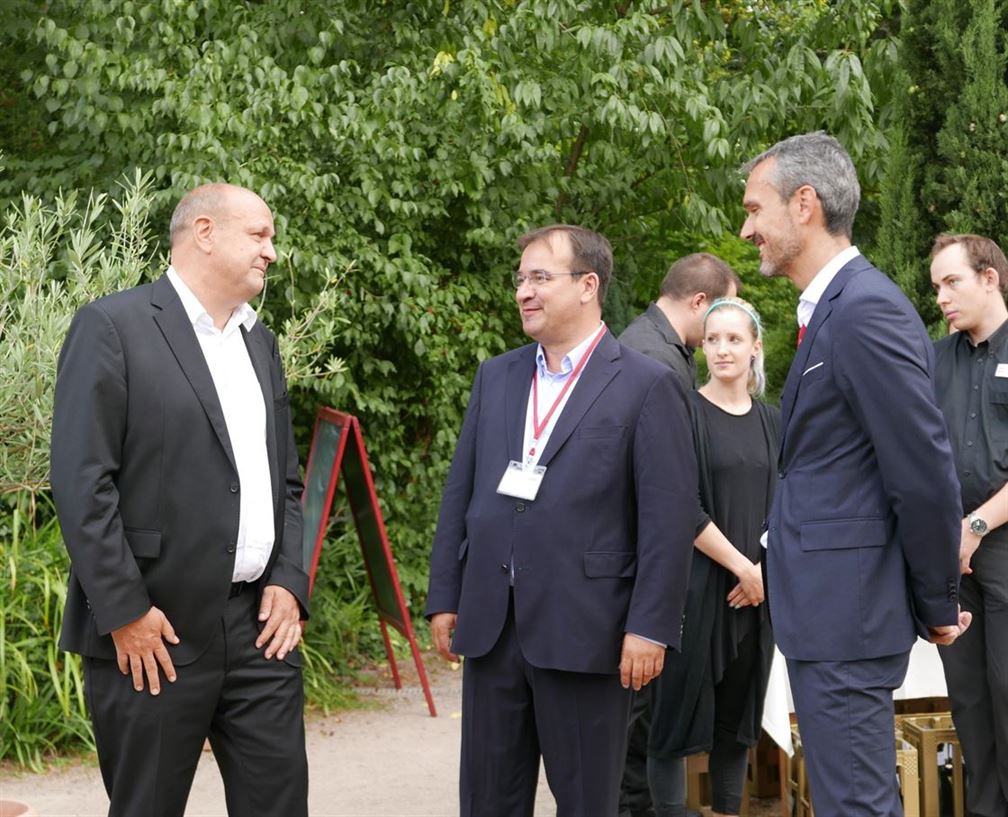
x,y
968,544
140,648
749,589
280,610
947,634
640,661
442,625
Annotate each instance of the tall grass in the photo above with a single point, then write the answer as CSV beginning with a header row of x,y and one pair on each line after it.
x,y
42,708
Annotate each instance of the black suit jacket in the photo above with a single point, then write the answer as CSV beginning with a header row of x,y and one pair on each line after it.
x,y
605,547
144,478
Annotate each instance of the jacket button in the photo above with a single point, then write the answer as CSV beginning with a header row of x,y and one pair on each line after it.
x,y
230,549
234,487
520,507
781,474
504,566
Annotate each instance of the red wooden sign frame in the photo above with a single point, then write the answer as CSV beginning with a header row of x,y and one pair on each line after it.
x,y
375,549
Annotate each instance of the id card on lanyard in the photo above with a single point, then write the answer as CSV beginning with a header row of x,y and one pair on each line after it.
x,y
523,479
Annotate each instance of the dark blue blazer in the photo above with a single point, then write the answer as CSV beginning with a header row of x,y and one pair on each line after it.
x,y
604,548
865,525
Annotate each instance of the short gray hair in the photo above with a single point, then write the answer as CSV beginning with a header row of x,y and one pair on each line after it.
x,y
820,161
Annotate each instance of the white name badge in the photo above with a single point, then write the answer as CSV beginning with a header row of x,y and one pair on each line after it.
x,y
521,482
1001,370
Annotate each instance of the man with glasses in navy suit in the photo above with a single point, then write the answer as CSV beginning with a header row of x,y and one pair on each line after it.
x,y
563,545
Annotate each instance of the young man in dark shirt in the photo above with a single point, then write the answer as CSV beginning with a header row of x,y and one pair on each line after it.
x,y
672,326
969,275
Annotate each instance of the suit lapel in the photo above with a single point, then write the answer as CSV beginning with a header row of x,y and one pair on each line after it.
x,y
262,358
174,324
516,397
600,369
800,362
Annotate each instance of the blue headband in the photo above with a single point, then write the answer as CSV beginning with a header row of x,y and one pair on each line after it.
x,y
738,303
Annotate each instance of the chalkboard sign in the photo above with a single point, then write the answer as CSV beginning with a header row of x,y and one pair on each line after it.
x,y
337,448
327,449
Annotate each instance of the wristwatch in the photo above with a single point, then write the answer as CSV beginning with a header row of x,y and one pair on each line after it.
x,y
976,524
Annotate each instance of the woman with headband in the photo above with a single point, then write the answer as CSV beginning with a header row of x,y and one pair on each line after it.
x,y
709,697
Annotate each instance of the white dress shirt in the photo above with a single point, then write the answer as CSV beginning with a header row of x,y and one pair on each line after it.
x,y
241,400
814,291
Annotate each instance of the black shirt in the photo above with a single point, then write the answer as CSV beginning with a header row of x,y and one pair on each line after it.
x,y
971,384
653,335
739,464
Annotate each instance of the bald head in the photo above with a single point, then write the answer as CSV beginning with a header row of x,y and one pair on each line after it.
x,y
209,200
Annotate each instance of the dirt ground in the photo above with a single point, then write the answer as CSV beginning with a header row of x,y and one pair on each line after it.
x,y
387,760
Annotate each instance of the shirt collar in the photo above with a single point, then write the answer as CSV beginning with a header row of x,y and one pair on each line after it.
x,y
664,325
570,360
814,291
243,315
993,340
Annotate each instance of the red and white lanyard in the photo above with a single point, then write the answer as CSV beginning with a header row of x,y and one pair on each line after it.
x,y
539,428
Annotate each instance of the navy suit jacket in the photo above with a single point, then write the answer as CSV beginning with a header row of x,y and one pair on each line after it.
x,y
865,526
144,477
604,548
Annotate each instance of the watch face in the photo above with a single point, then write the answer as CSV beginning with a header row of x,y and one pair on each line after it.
x,y
978,526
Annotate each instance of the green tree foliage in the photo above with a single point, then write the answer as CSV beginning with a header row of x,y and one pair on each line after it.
x,y
410,143
949,165
974,139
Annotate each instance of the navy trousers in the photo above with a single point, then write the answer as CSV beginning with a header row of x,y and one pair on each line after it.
x,y
847,723
514,713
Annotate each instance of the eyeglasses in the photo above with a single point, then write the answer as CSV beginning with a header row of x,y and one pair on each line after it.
x,y
538,277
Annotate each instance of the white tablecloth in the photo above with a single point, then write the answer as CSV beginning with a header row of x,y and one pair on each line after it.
x,y
924,679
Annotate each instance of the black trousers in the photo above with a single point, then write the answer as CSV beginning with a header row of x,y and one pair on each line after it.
x,y
513,713
635,793
976,673
251,709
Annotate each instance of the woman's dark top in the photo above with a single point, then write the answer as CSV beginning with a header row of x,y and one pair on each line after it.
x,y
737,456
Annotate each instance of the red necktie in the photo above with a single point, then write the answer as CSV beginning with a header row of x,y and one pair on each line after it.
x,y
801,335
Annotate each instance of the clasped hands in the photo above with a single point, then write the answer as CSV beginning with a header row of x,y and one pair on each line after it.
x,y
141,651
749,590
945,635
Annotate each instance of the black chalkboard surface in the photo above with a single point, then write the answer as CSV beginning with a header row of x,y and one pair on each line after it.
x,y
321,475
337,449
